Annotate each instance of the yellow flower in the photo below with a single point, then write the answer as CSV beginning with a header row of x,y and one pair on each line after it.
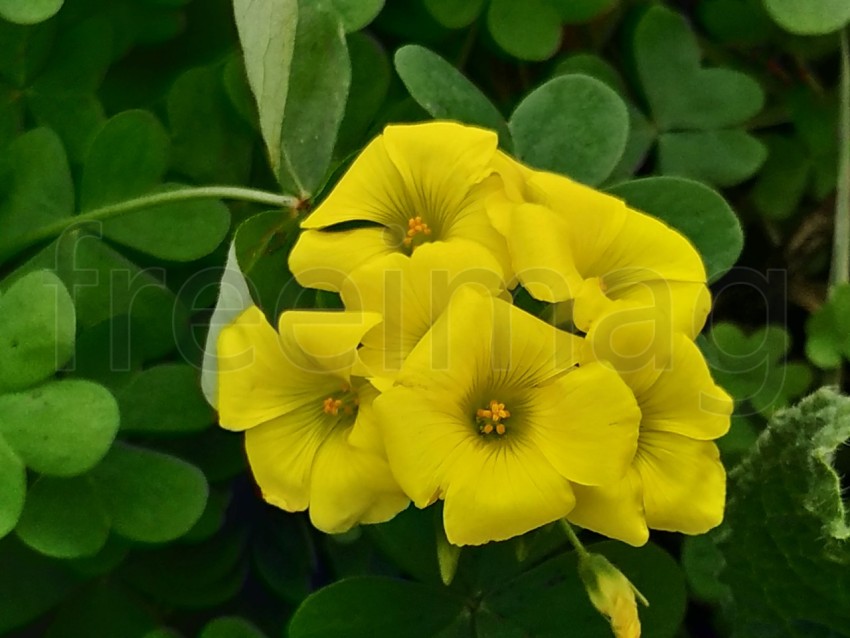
x,y
309,428
410,293
676,481
612,594
571,243
412,185
491,415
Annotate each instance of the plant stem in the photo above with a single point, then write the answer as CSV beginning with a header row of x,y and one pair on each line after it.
x,y
146,201
840,273
573,538
840,270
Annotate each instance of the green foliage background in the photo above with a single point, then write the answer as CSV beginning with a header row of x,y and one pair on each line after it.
x,y
126,513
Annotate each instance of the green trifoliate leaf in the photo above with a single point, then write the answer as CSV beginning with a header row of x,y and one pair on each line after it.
x,y
150,497
682,94
29,11
127,158
530,30
38,189
179,406
786,540
63,518
367,606
828,330
62,428
356,14
30,584
753,368
722,157
319,79
13,488
445,93
574,125
454,14
809,17
37,326
230,627
267,35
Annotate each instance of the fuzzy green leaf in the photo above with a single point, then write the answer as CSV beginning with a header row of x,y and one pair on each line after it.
x,y
786,540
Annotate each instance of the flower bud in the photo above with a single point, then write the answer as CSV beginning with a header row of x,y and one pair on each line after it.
x,y
612,594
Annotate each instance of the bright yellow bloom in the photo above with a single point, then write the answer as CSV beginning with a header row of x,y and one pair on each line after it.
x,y
492,415
571,243
410,293
310,433
414,184
676,481
612,594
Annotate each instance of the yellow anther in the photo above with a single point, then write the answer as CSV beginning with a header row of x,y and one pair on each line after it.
x,y
415,226
490,418
331,406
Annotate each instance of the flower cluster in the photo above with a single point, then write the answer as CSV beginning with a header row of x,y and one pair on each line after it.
x,y
433,384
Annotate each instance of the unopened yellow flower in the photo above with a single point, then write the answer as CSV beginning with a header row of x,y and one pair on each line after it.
x,y
571,243
412,185
303,412
491,415
676,481
410,293
612,594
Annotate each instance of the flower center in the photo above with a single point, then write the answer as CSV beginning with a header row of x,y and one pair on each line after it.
x,y
345,402
417,230
490,419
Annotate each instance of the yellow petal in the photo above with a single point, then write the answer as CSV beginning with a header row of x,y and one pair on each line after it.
x,y
351,486
450,354
372,189
646,249
684,398
281,453
540,250
323,259
615,510
410,293
637,342
686,304
501,489
424,435
586,425
317,341
594,219
258,378
684,483
439,163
